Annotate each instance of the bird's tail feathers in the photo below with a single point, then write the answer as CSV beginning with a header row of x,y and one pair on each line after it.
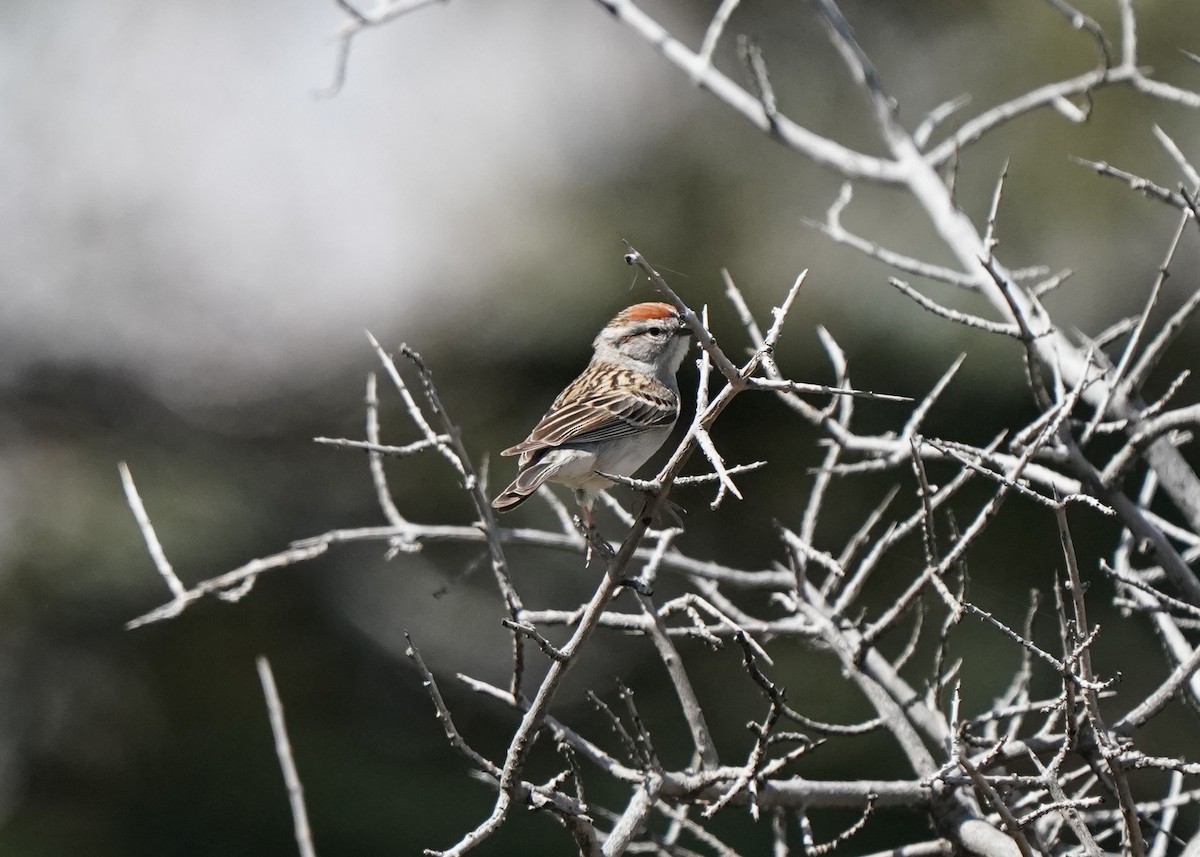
x,y
528,480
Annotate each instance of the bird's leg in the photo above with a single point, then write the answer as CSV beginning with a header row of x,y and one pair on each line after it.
x,y
586,522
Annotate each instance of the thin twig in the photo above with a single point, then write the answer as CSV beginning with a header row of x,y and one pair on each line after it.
x,y
230,586
954,315
157,554
287,764
357,21
713,34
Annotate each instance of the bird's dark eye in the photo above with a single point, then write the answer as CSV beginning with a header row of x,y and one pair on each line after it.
x,y
655,331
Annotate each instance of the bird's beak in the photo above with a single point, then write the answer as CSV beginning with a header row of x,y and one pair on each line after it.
x,y
684,330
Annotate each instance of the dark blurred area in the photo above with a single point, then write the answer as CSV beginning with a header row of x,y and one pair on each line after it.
x,y
193,246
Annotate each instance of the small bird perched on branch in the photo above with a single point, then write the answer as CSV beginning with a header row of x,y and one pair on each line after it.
x,y
613,416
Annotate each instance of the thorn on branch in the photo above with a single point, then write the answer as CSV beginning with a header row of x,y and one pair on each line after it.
x,y
990,242
822,389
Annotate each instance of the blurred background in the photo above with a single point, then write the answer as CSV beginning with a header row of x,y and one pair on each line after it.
x,y
193,243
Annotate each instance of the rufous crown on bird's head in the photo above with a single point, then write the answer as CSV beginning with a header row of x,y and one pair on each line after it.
x,y
644,312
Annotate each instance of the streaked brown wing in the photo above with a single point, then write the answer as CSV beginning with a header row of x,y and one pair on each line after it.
x,y
609,416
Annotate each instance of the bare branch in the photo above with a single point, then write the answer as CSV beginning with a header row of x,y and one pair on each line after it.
x,y
382,449
1189,172
1117,379
1080,21
387,10
1147,433
1158,700
751,56
801,387
230,586
283,749
936,117
375,457
954,315
833,229
713,34
1137,183
634,817
693,714
823,151
157,554
1154,351
532,633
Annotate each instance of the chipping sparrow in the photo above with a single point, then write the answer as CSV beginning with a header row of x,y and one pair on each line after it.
x,y
613,416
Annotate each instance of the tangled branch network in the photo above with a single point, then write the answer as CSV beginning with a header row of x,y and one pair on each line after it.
x,y
1027,773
